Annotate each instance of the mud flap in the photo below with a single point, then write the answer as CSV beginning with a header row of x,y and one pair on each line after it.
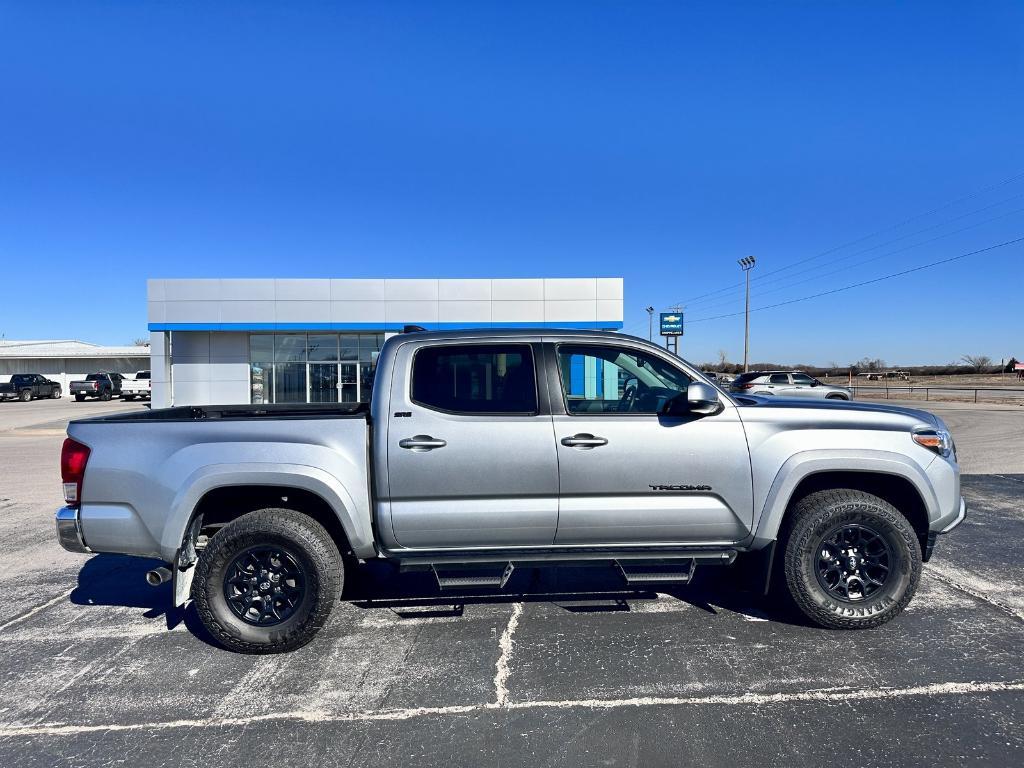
x,y
183,583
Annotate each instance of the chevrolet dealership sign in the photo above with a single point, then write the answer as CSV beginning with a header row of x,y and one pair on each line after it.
x,y
671,323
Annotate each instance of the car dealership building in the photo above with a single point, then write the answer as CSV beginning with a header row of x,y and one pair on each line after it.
x,y
285,341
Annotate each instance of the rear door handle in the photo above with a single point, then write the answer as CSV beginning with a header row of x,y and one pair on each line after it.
x,y
584,440
421,443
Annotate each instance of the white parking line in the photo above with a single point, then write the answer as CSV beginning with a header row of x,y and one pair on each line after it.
x,y
502,669
837,695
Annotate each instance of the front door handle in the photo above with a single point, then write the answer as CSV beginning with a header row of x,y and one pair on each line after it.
x,y
421,443
584,440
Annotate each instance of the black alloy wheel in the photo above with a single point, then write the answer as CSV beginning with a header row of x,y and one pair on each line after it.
x,y
264,585
853,562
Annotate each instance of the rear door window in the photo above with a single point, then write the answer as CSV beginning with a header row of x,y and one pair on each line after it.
x,y
476,378
778,378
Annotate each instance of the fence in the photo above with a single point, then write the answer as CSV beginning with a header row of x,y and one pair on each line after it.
x,y
1002,392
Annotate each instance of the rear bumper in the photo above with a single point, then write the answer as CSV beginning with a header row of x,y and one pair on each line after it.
x,y
69,530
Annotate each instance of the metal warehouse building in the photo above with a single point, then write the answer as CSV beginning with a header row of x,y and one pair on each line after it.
x,y
265,341
64,360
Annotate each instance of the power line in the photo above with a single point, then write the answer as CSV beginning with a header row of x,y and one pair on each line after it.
x,y
864,282
873,258
903,223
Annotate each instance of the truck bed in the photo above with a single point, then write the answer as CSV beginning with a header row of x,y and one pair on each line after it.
x,y
148,469
239,412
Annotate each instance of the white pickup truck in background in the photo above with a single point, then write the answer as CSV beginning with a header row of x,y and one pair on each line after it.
x,y
137,387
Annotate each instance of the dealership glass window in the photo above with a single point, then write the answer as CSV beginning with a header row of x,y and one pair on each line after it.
x,y
313,368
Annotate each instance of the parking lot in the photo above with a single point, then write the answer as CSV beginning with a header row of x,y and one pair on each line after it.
x,y
564,668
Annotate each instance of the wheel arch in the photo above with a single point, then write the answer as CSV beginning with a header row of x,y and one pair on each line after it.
x,y
890,476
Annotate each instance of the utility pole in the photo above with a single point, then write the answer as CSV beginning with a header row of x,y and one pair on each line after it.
x,y
746,264
650,324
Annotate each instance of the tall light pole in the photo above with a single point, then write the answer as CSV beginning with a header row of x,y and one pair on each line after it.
x,y
746,264
650,324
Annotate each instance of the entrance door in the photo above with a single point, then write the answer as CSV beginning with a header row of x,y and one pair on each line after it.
x,y
323,382
471,459
631,476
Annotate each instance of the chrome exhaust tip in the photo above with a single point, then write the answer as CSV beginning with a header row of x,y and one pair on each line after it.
x,y
158,576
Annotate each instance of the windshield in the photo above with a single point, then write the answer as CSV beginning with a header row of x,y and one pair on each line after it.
x,y
142,375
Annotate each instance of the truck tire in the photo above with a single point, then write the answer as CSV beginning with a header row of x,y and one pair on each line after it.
x,y
128,397
105,395
25,396
266,582
55,394
852,560
80,398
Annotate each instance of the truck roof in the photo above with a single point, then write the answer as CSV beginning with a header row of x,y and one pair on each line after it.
x,y
468,333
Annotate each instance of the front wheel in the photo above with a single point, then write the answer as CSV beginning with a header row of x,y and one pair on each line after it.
x,y
266,582
55,394
852,560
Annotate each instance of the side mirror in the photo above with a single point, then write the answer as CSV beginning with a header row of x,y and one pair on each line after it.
x,y
815,383
699,398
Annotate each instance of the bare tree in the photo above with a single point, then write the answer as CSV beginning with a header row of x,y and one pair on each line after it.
x,y
723,358
979,363
140,342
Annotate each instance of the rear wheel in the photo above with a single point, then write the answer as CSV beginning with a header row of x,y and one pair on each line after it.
x,y
105,395
852,560
129,397
79,398
266,582
25,396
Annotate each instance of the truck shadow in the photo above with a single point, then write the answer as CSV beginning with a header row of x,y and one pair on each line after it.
x,y
119,580
377,586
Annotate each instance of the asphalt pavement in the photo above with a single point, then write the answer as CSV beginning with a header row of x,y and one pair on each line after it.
x,y
564,668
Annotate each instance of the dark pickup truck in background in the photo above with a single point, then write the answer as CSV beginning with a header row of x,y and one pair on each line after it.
x,y
100,385
28,386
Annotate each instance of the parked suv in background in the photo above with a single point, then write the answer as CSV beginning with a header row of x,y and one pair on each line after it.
x,y
787,384
27,386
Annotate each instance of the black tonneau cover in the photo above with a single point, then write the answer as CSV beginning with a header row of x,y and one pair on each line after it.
x,y
241,412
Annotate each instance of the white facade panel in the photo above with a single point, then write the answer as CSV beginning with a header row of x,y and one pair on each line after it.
x,y
302,312
248,289
410,311
610,288
410,290
570,289
570,311
192,290
609,309
464,312
302,290
464,290
357,312
517,290
228,392
357,290
517,311
247,311
190,344
192,311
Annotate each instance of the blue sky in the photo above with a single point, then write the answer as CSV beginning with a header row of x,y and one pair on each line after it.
x,y
659,142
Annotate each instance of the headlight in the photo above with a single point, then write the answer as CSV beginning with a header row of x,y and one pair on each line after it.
x,y
938,440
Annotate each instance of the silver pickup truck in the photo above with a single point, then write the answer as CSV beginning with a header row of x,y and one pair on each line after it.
x,y
483,451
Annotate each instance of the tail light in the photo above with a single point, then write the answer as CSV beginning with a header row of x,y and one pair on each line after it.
x,y
73,458
95,385
744,386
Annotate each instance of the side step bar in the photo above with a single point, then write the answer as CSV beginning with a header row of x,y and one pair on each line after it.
x,y
469,577
676,572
